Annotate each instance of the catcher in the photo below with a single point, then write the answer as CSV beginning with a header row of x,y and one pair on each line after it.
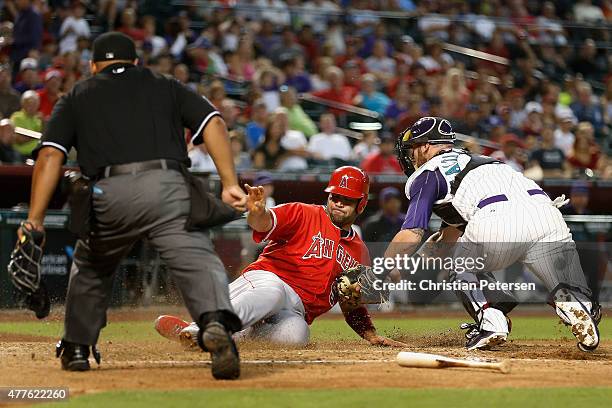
x,y
299,276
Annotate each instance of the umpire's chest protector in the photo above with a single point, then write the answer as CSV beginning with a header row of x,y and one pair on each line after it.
x,y
453,165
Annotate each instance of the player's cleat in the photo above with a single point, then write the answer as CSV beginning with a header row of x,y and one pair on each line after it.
x,y
189,336
170,327
581,320
473,329
75,357
485,340
223,352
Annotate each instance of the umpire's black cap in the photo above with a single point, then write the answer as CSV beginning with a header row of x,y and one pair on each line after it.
x,y
114,46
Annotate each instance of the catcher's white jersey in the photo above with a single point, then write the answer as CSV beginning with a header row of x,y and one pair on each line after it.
x,y
479,184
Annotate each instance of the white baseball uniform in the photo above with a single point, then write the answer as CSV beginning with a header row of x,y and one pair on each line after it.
x,y
507,219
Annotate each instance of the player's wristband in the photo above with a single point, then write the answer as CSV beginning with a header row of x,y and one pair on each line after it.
x,y
359,320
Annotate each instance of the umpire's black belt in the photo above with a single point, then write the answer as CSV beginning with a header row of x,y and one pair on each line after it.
x,y
139,167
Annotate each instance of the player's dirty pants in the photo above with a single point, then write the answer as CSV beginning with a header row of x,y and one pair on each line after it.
x,y
268,308
152,204
532,233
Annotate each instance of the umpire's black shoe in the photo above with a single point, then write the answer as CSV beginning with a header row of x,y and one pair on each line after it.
x,y
75,357
215,339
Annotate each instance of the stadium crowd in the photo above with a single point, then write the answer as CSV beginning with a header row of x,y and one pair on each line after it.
x,y
524,81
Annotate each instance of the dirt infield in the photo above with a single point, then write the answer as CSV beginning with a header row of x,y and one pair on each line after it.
x,y
29,361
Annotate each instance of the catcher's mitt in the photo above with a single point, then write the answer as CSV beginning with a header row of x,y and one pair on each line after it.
x,y
355,287
24,270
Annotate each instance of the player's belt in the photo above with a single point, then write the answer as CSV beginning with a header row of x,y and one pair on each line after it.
x,y
492,199
503,197
139,167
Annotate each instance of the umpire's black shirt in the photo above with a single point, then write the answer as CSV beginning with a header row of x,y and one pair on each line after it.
x,y
126,114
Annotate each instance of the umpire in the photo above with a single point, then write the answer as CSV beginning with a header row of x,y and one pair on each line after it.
x,y
126,124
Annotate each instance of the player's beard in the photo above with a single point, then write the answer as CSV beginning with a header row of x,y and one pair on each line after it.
x,y
341,220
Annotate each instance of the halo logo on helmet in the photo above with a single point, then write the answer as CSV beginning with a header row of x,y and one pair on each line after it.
x,y
427,130
351,182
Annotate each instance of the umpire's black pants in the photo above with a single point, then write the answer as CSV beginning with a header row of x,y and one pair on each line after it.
x,y
152,204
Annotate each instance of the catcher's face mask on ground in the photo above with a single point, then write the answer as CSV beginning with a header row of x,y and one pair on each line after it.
x,y
342,210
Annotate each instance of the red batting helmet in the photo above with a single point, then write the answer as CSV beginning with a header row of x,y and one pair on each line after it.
x,y
352,182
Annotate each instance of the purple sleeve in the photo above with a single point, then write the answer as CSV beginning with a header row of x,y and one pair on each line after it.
x,y
424,191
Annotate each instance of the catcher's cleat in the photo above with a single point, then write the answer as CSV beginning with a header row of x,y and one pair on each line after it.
x,y
223,352
473,328
170,327
485,340
75,357
581,320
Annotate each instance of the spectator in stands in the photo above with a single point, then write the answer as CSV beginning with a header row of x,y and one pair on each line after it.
x,y
398,106
9,97
298,120
28,78
319,78
288,48
435,59
329,144
587,110
229,113
8,155
201,159
181,73
588,63
294,142
269,79
270,154
27,31
29,118
380,64
510,152
472,124
156,43
370,98
216,93
73,27
564,138
242,160
50,94
384,224
383,161
295,76
204,60
366,146
585,153
275,11
454,94
586,12
533,124
317,13
338,91
129,28
549,157
256,128
265,180
579,199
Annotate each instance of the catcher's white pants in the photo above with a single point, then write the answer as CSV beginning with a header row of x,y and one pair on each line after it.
x,y
533,233
268,308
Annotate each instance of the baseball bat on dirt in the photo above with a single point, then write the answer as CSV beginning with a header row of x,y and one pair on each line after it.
x,y
424,360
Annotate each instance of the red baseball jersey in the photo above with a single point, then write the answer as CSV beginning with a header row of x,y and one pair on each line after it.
x,y
307,251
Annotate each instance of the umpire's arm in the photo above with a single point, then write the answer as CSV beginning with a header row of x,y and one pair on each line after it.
x,y
47,173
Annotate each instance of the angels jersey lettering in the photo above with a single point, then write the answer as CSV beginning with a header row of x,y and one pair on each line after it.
x,y
308,252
